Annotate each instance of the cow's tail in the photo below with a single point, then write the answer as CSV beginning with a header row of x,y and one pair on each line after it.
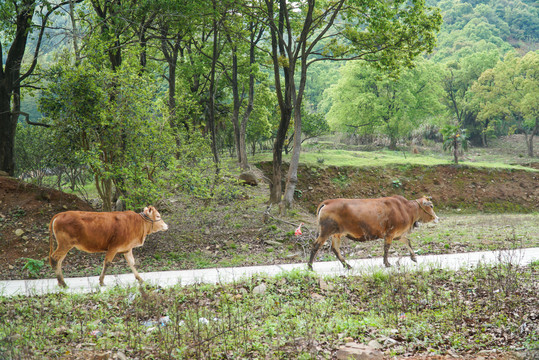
x,y
318,214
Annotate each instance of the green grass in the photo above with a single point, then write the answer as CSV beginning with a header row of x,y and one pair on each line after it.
x,y
299,316
381,158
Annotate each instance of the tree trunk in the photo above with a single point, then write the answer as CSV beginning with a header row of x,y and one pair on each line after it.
x,y
529,143
236,100
8,126
275,188
10,77
211,112
456,150
292,177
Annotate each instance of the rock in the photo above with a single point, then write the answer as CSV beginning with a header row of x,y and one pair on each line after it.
x,y
19,232
62,330
317,297
260,289
248,178
272,242
325,286
103,356
375,344
3,173
121,356
359,352
120,205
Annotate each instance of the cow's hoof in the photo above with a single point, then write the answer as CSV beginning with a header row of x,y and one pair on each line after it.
x,y
414,259
348,267
387,265
310,267
63,284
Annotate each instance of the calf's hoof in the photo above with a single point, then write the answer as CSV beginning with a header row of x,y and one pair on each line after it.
x,y
61,282
414,259
386,264
310,267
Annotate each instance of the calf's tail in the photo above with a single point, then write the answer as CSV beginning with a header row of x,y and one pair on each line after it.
x,y
50,240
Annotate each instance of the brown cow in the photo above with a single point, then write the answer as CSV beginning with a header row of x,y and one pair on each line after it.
x,y
110,232
385,218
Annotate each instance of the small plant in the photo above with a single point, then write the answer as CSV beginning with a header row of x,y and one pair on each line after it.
x,y
396,184
17,213
320,160
33,266
341,180
454,137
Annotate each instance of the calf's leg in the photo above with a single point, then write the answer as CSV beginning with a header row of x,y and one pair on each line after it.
x,y
56,259
336,246
131,262
109,256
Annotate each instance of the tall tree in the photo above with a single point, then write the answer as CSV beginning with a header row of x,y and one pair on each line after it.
x,y
510,91
390,35
253,32
19,19
367,100
457,82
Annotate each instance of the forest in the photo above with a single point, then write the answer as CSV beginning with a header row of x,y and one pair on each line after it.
x,y
134,95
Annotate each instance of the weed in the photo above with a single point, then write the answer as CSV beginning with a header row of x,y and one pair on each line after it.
x,y
17,213
341,180
33,266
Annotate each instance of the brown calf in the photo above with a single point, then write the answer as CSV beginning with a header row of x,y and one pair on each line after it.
x,y
386,218
110,232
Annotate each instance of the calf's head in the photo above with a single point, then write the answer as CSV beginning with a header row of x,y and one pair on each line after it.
x,y
426,210
151,214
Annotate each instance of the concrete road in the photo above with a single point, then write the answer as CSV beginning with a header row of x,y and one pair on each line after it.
x,y
215,275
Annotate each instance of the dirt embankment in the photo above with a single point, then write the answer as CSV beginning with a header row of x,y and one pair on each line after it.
x,y
25,212
451,187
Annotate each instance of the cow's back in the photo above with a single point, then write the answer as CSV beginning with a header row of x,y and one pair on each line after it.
x,y
367,218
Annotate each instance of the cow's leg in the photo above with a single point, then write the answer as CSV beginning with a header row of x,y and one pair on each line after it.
x,y
131,262
56,259
387,245
408,245
336,247
109,256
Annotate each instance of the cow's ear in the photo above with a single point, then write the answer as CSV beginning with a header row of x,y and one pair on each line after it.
x,y
145,210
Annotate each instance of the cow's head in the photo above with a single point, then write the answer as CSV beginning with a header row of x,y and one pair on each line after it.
x,y
426,210
153,215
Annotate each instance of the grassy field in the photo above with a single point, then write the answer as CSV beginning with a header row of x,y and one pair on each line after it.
x,y
341,157
298,315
